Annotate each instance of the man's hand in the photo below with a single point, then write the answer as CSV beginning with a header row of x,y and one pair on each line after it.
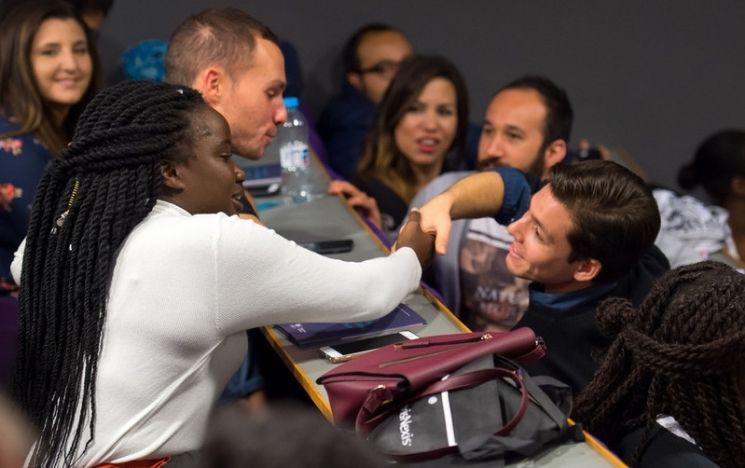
x,y
358,200
475,196
436,220
412,235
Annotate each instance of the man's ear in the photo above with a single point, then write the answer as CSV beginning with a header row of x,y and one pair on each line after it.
x,y
211,82
554,153
171,176
355,79
587,270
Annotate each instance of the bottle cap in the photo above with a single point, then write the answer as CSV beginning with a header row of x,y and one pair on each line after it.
x,y
291,102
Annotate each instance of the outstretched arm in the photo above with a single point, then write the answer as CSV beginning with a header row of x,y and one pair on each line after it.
x,y
504,193
475,196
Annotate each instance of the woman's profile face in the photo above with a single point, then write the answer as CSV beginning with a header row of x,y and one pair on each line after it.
x,y
61,62
210,180
427,130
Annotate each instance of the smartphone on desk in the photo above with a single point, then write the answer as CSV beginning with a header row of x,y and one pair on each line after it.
x,y
345,351
329,247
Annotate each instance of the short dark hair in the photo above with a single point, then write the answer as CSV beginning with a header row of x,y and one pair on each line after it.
x,y
719,158
381,157
614,215
224,36
350,55
559,113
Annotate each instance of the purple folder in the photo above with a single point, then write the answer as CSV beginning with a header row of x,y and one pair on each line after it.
x,y
307,334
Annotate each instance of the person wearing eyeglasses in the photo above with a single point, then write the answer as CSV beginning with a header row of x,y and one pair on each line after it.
x,y
371,58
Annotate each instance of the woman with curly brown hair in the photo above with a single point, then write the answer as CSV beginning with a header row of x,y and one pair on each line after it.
x,y
671,388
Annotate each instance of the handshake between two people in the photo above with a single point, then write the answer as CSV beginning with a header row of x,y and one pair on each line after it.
x,y
412,235
426,230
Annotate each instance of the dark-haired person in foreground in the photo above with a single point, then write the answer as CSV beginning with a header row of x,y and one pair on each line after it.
x,y
670,390
284,436
138,282
586,235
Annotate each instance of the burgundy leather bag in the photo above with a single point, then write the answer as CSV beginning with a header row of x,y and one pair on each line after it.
x,y
364,390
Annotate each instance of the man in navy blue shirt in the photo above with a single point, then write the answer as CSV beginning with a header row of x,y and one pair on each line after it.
x,y
585,236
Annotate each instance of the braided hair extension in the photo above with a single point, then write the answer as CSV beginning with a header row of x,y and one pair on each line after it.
x,y
88,201
679,354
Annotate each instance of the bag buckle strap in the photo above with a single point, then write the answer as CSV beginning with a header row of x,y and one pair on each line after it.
x,y
377,397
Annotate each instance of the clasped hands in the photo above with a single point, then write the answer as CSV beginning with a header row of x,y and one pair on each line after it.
x,y
427,229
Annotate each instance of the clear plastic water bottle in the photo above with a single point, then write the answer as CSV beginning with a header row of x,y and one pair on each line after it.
x,y
294,156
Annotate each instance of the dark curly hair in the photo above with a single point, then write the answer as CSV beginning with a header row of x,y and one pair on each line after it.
x,y
88,201
679,354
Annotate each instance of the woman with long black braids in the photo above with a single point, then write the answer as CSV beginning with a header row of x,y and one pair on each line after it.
x,y
670,391
138,283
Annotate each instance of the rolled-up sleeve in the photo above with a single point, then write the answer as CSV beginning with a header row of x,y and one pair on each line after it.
x,y
517,193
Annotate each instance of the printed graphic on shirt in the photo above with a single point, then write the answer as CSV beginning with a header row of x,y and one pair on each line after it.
x,y
492,299
689,231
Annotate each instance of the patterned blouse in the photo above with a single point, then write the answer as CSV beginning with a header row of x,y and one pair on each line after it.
x,y
22,162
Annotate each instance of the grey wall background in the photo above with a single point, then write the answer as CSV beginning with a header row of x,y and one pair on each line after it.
x,y
653,77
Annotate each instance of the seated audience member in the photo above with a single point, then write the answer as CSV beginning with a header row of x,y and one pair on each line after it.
x,y
47,66
670,390
527,126
586,236
139,275
283,437
243,80
419,132
692,231
371,58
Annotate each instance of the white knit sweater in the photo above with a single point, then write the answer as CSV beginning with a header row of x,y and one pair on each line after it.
x,y
184,290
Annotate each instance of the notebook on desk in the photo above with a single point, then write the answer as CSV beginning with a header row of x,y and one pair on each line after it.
x,y
263,179
307,334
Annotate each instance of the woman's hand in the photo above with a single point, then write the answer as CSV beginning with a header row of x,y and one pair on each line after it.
x,y
358,200
412,235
